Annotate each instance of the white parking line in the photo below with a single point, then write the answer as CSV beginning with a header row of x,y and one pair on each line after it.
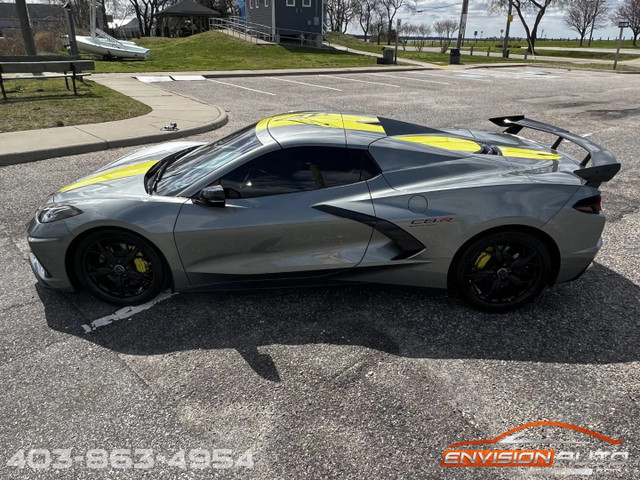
x,y
304,83
126,312
361,81
409,78
473,76
240,86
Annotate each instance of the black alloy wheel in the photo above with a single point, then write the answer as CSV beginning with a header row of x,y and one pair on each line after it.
x,y
503,271
119,267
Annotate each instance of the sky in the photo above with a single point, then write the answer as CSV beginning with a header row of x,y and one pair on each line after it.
x,y
490,24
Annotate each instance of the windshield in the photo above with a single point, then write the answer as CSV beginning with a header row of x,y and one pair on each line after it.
x,y
204,160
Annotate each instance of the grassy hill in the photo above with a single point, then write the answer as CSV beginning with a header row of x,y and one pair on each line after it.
x,y
217,51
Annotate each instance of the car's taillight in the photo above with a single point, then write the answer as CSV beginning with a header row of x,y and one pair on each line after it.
x,y
590,204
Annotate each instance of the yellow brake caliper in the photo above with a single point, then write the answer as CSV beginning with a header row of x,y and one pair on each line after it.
x,y
141,264
483,258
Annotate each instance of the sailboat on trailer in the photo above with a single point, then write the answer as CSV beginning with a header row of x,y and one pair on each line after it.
x,y
103,44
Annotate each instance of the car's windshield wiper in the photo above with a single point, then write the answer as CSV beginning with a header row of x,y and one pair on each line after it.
x,y
161,166
157,176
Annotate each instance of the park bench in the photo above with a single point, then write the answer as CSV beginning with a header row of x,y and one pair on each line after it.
x,y
62,66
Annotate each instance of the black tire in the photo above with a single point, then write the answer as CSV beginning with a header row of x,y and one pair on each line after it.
x,y
119,268
502,271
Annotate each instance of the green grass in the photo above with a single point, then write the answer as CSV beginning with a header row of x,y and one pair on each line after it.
x,y
594,44
217,51
583,54
560,53
35,104
572,44
589,66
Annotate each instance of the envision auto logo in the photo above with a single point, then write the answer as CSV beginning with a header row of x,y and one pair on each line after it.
x,y
541,444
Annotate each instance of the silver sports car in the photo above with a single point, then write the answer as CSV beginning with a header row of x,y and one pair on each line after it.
x,y
323,198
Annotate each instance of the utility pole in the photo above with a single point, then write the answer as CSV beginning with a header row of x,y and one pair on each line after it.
x,y
622,26
395,55
454,58
71,29
505,43
25,27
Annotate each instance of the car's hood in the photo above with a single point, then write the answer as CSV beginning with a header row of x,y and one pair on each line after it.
x,y
122,177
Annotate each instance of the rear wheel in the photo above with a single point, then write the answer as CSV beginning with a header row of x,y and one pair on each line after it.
x,y
119,267
503,271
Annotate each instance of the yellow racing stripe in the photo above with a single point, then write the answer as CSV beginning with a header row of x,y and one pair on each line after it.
x,y
128,171
325,120
529,153
446,143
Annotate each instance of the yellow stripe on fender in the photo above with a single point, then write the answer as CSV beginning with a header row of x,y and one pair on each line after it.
x,y
446,143
325,120
128,171
529,153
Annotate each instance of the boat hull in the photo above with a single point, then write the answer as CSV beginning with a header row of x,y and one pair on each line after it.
x,y
105,48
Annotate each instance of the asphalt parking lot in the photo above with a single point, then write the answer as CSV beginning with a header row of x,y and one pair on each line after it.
x,y
352,382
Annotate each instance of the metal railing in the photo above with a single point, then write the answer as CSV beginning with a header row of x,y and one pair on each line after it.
x,y
256,32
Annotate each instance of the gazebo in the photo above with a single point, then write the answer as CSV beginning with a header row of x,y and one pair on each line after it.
x,y
185,18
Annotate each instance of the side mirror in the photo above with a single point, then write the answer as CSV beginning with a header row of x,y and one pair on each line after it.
x,y
212,196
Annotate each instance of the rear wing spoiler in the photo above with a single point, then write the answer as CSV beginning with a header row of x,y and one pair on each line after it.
x,y
604,165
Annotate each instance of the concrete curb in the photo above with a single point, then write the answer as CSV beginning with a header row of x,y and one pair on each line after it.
x,y
328,71
87,147
77,139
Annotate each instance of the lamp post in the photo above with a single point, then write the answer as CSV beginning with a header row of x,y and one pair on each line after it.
x,y
505,43
395,55
622,26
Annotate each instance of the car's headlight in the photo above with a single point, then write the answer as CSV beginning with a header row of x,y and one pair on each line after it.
x,y
55,212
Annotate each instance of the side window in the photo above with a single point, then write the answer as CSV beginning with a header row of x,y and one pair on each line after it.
x,y
297,170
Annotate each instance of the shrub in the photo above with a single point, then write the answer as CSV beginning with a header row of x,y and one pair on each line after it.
x,y
12,44
48,42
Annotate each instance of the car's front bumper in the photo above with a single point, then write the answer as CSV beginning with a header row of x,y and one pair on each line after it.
x,y
49,244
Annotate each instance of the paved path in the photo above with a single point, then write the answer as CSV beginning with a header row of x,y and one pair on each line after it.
x,y
192,117
496,53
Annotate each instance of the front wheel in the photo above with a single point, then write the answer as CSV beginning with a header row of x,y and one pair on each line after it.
x,y
502,271
119,267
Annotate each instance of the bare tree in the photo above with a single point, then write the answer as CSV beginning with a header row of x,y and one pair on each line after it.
x,y
340,13
365,13
445,29
225,7
391,8
536,7
377,23
629,11
404,32
582,15
146,11
423,31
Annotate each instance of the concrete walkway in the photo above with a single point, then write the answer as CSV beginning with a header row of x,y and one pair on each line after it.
x,y
191,116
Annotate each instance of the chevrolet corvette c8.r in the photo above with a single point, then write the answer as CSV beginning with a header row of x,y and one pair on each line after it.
x,y
323,198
